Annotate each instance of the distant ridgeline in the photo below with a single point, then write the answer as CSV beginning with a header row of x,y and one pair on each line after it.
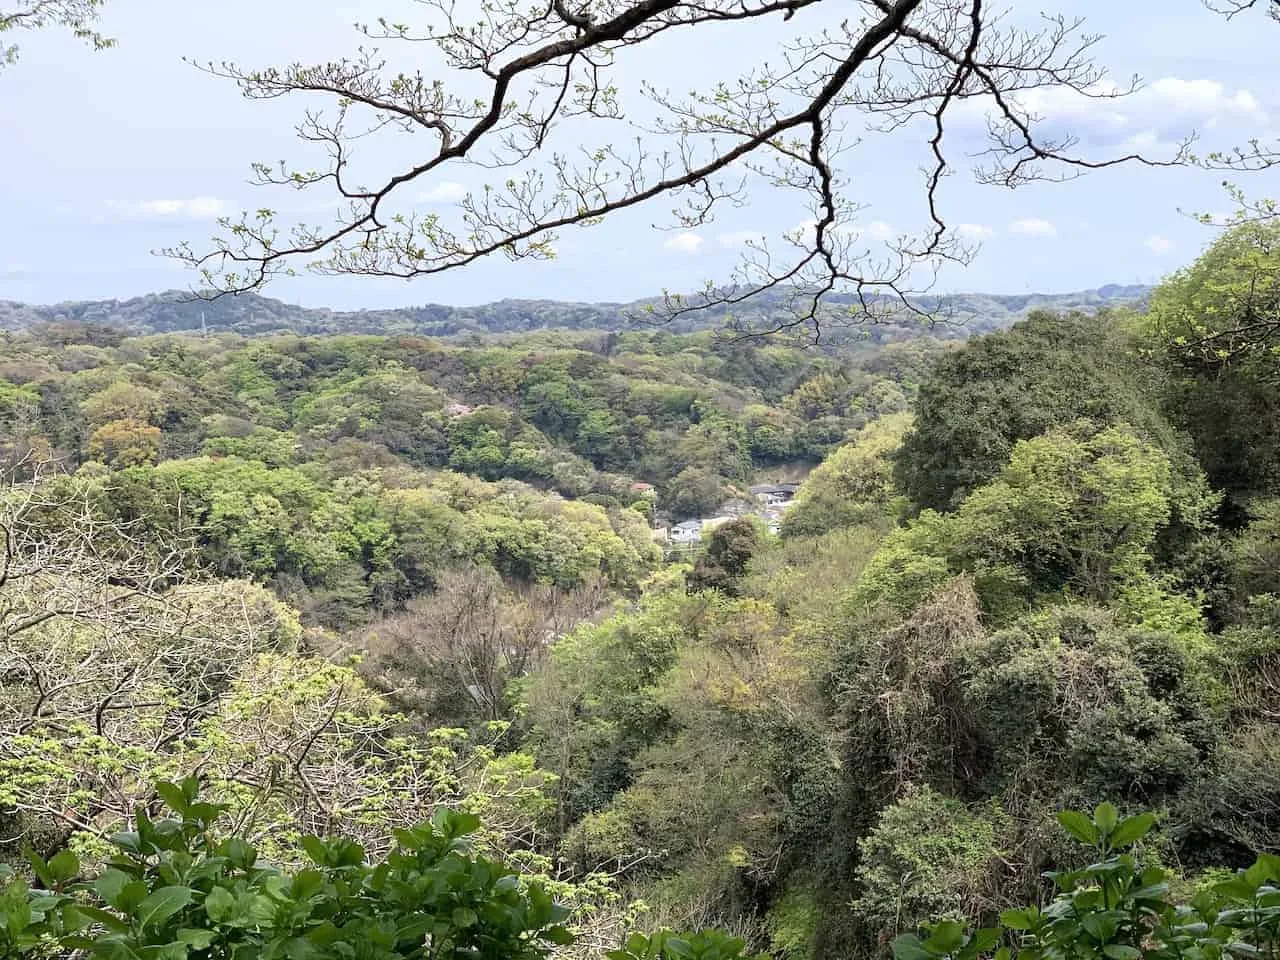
x,y
175,311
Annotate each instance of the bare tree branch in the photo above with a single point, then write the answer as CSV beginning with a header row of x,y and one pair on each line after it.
x,y
1254,157
534,75
78,16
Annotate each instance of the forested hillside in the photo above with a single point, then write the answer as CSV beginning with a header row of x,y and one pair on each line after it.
x,y
176,311
345,582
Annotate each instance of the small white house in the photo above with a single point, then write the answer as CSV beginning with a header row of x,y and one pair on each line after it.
x,y
773,494
690,531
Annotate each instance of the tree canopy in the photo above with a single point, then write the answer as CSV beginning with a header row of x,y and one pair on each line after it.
x,y
351,582
1015,385
1217,324
374,646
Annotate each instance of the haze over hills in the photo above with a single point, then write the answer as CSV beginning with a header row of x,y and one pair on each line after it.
x,y
248,314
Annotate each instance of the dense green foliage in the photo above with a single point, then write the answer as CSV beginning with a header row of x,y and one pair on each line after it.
x,y
1216,325
724,562
179,887
1121,909
352,581
1014,386
583,415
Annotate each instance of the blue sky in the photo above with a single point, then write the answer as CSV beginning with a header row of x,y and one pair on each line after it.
x,y
106,156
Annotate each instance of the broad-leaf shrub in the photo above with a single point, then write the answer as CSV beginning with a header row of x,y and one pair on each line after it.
x,y
176,889
1117,908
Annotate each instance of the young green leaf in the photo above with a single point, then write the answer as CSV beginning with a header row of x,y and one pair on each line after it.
x,y
945,937
1106,816
1024,919
196,939
163,904
174,797
1131,830
98,915
63,865
110,886
1079,826
219,905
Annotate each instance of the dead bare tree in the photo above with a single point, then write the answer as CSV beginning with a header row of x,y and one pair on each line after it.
x,y
534,77
453,652
108,651
1233,8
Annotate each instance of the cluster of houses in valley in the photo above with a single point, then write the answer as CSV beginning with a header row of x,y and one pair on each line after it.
x,y
769,501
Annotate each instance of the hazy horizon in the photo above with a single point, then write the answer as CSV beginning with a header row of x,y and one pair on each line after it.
x,y
269,295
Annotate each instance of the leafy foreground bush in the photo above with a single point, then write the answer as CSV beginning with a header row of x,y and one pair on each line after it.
x,y
1117,909
173,890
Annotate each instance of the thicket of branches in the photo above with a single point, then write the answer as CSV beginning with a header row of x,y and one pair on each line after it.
x,y
536,99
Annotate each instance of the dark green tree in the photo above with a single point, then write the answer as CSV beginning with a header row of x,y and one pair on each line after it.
x,y
1045,372
724,563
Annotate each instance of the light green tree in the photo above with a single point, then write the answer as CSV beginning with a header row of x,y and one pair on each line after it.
x,y
1216,327
1077,509
852,486
1224,309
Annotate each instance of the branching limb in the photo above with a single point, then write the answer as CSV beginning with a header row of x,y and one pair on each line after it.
x,y
78,16
534,76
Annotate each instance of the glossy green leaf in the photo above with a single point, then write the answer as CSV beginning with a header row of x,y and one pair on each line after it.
x,y
1079,826
945,937
1120,951
1132,829
197,939
1105,817
1023,919
105,917
163,904
219,905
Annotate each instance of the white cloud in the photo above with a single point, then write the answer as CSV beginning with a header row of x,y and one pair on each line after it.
x,y
740,238
686,242
1160,100
974,231
193,208
1208,98
161,208
1033,227
444,192
879,230
1154,118
1157,244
